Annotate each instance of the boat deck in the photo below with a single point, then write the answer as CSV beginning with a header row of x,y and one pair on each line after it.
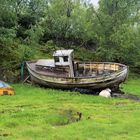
x,y
49,71
80,70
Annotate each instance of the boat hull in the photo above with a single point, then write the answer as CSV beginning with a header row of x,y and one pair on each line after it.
x,y
101,82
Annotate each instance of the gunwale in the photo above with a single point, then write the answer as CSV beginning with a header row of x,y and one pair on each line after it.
x,y
124,67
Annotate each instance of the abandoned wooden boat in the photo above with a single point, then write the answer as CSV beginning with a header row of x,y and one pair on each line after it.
x,y
63,72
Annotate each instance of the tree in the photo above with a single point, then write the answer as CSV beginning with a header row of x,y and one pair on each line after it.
x,y
116,34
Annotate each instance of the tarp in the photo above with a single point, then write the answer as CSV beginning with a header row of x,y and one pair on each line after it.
x,y
3,84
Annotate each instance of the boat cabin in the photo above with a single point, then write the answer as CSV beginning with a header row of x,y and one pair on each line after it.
x,y
64,58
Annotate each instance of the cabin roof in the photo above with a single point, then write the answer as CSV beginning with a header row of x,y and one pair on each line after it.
x,y
46,63
62,52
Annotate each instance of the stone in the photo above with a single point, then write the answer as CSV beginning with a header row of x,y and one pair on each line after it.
x,y
105,93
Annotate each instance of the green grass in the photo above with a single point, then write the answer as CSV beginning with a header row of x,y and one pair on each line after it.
x,y
35,113
132,86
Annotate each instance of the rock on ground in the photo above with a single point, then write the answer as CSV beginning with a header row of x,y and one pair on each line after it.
x,y
105,93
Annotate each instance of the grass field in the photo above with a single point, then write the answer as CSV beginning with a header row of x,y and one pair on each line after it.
x,y
132,86
34,113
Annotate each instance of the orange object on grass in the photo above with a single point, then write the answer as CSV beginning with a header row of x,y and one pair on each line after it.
x,y
6,89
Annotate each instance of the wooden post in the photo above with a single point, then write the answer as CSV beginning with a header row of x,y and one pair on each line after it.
x,y
84,69
90,68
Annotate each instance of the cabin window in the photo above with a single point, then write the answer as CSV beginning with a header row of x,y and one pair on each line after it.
x,y
56,59
65,58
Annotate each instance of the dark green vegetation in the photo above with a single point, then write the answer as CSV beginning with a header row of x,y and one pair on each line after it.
x,y
31,29
36,113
